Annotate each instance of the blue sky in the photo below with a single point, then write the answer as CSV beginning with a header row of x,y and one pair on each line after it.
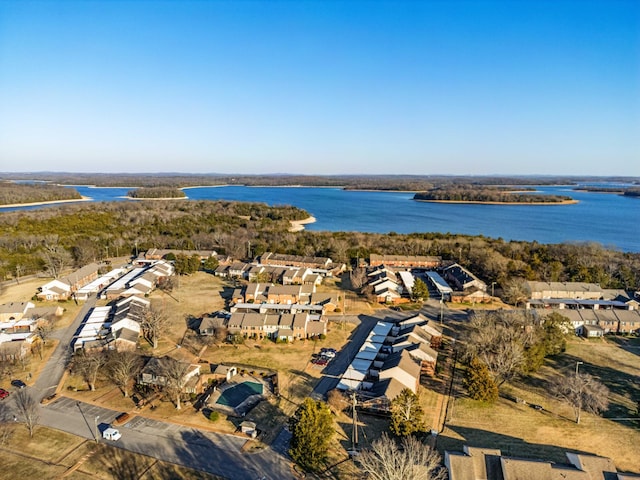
x,y
321,87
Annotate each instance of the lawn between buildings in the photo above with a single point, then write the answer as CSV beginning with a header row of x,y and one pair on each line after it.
x,y
522,431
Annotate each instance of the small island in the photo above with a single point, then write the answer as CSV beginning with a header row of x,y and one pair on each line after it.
x,y
490,195
156,193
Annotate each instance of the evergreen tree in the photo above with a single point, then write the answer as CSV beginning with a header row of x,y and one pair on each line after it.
x,y
210,264
311,428
420,291
406,414
479,383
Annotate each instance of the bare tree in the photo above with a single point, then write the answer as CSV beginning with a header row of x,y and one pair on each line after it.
x,y
153,323
174,373
515,291
582,392
358,277
499,339
19,270
28,408
412,460
220,333
44,329
55,256
337,400
122,367
89,365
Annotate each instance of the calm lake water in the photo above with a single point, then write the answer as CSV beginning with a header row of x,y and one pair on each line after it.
x,y
609,219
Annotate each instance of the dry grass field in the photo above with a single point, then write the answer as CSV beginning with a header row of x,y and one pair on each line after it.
x,y
519,430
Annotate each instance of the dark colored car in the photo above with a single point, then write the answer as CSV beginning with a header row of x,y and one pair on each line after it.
x,y
3,394
18,383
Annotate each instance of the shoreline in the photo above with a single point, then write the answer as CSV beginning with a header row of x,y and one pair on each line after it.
x,y
49,202
471,202
298,225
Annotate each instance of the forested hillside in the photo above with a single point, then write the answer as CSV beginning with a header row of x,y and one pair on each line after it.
x,y
17,193
78,234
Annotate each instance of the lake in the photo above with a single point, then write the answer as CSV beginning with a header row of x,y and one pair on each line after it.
x,y
609,219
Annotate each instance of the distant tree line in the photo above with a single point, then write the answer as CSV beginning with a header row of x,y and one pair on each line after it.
x,y
76,234
156,192
632,192
470,193
625,191
358,182
11,193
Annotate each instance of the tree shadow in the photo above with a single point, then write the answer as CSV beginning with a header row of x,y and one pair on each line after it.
x,y
619,383
122,464
627,343
193,323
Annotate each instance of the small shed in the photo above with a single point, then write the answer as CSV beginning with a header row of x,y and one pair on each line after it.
x,y
249,428
592,331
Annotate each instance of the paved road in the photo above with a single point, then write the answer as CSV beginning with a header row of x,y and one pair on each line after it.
x,y
205,451
51,374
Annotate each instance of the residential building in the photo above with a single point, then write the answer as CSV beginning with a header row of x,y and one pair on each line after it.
x,y
404,261
489,464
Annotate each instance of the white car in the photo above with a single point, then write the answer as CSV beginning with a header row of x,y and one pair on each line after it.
x,y
111,434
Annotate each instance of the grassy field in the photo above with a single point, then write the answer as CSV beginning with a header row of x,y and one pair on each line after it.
x,y
519,430
53,454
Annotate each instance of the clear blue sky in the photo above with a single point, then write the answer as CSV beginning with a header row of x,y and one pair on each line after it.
x,y
321,87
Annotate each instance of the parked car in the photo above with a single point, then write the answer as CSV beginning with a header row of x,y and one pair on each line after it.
x,y
111,434
328,352
3,394
18,383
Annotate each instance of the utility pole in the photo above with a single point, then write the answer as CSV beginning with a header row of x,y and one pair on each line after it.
x,y
354,431
95,422
577,365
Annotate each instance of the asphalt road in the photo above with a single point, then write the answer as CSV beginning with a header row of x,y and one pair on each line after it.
x,y
210,452
51,374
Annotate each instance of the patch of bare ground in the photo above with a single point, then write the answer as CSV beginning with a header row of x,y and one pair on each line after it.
x,y
519,430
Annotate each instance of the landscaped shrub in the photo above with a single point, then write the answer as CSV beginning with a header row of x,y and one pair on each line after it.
x,y
214,416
